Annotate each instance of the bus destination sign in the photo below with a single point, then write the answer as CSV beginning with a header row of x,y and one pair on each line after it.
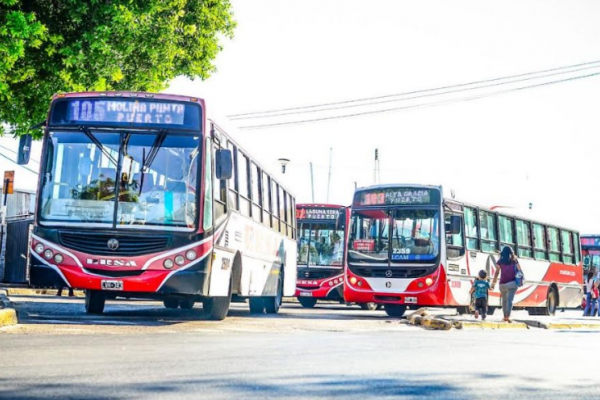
x,y
317,213
591,241
396,196
126,111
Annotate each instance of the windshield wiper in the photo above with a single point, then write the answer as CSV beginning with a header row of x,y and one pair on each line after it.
x,y
99,145
147,162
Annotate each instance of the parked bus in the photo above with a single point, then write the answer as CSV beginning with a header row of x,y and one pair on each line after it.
x,y
408,246
140,195
322,235
590,250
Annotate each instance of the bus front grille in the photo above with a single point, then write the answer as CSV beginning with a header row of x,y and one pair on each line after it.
x,y
306,273
371,272
97,244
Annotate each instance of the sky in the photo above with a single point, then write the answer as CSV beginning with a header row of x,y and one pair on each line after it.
x,y
535,146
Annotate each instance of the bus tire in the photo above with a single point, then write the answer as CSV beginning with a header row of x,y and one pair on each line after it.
x,y
307,302
187,304
94,301
370,306
216,308
395,310
171,303
551,302
272,304
257,305
463,310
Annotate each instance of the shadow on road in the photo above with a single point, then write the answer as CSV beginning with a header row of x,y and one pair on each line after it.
x,y
409,387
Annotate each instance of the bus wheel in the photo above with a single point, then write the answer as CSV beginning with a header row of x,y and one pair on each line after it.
x,y
307,302
94,301
257,305
551,303
216,308
395,310
463,310
370,306
186,304
171,303
272,304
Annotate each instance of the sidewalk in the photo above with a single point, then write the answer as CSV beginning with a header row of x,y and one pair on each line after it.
x,y
24,290
8,316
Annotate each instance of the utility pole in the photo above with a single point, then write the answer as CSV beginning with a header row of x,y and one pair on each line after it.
x,y
329,177
312,182
376,171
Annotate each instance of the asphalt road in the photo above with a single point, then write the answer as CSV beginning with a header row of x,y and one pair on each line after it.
x,y
141,350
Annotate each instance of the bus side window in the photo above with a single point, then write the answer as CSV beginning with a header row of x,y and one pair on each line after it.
x,y
554,244
524,239
507,236
256,201
567,246
455,247
539,242
275,205
487,226
266,199
470,217
220,193
243,184
577,247
233,193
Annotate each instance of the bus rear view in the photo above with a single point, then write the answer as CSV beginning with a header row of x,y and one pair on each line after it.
x,y
394,248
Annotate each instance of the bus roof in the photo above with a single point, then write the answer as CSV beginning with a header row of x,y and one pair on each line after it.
x,y
124,94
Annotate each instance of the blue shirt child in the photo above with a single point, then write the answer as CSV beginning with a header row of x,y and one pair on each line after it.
x,y
481,288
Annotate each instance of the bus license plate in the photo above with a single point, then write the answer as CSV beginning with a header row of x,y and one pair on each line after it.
x,y
305,294
410,300
112,285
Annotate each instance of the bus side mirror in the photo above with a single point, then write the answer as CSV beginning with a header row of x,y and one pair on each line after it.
x,y
340,223
223,164
24,149
454,227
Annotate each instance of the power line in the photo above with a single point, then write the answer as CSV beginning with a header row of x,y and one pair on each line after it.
x,y
12,151
12,161
420,105
439,93
236,116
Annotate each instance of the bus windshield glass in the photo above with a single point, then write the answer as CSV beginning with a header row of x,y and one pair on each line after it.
x,y
320,244
394,236
150,176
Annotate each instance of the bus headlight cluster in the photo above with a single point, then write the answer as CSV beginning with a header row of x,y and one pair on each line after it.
x,y
48,254
179,260
168,263
428,281
39,248
191,255
335,281
58,258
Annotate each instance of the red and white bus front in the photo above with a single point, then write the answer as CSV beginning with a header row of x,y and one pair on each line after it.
x,y
394,248
321,239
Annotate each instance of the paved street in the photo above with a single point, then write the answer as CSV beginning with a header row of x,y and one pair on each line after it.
x,y
141,350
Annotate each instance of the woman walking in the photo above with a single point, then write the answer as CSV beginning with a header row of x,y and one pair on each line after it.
x,y
589,290
507,267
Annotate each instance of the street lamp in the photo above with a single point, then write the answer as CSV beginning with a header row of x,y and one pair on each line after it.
x,y
283,162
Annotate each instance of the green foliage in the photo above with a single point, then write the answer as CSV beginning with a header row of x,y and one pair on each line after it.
x,y
50,46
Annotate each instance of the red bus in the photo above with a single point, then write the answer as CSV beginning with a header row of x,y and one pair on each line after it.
x,y
590,250
140,195
410,247
321,237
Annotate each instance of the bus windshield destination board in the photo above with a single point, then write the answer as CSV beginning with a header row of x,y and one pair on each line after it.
x,y
397,196
317,213
102,111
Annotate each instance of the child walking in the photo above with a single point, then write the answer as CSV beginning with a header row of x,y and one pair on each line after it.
x,y
481,287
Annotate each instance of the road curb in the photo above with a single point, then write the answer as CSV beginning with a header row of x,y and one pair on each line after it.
x,y
8,315
493,325
560,325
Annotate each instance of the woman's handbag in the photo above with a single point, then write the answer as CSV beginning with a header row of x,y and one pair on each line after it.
x,y
519,277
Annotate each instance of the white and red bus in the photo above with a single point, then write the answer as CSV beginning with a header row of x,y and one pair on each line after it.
x,y
321,241
408,246
140,195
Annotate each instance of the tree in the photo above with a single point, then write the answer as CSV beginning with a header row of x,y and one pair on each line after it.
x,y
50,46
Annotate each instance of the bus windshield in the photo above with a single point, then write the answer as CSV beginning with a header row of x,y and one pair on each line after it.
x,y
394,236
320,244
154,175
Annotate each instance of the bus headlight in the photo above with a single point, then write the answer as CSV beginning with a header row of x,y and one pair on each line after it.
x,y
359,283
190,255
179,260
429,281
168,263
58,258
48,254
330,283
353,280
39,248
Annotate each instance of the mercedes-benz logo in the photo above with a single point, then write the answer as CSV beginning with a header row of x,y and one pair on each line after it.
x,y
389,273
113,244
